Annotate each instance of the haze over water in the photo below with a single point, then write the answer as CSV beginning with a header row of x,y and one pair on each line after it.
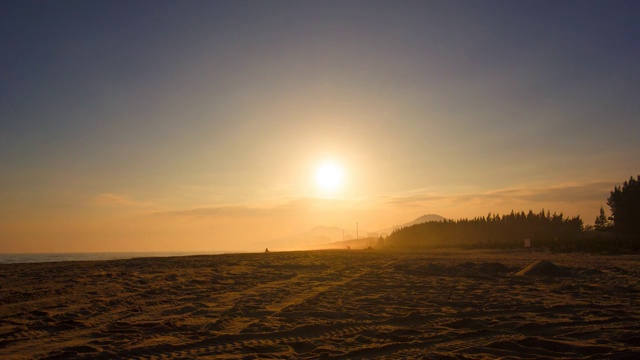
x,y
155,126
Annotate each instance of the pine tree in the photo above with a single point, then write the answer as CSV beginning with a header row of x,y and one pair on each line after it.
x,y
625,208
602,223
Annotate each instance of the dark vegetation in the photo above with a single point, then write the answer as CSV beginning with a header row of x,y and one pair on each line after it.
x,y
491,231
618,233
625,208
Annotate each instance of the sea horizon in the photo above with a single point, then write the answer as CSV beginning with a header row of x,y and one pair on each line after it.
x,y
23,258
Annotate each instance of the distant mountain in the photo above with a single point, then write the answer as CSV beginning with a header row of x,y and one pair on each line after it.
x,y
420,220
313,239
423,219
333,236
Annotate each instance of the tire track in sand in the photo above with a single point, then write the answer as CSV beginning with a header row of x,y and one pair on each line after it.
x,y
248,306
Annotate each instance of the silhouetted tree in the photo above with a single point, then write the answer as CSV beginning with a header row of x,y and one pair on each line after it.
x,y
625,208
602,223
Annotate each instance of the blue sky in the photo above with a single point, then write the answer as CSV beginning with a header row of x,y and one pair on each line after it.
x,y
115,112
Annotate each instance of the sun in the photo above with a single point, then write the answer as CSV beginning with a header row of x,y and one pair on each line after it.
x,y
329,177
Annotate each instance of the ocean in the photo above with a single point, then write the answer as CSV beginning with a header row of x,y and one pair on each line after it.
x,y
54,257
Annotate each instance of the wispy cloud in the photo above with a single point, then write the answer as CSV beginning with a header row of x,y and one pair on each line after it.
x,y
110,199
571,198
572,193
221,211
270,209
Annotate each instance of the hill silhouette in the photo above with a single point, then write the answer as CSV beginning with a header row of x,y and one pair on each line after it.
x,y
333,236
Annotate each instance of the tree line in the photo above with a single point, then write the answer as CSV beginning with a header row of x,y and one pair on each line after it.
x,y
492,231
620,231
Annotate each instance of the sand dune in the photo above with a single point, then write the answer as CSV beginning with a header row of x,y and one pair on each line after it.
x,y
325,304
544,268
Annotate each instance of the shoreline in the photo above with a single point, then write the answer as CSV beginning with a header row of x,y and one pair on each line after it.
x,y
34,258
28,258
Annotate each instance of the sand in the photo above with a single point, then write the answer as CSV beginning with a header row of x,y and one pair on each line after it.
x,y
325,304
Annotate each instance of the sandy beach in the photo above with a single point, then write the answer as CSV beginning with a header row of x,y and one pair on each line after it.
x,y
325,304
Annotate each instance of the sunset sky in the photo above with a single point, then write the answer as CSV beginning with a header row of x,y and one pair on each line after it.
x,y
202,125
